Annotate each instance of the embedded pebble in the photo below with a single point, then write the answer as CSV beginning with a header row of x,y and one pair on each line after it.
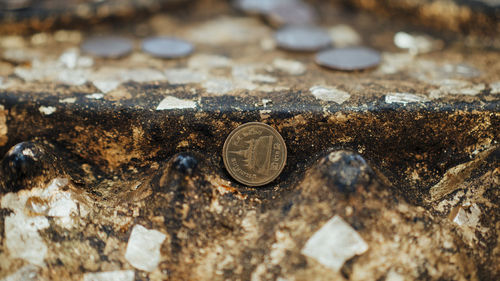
x,y
348,59
47,110
143,248
292,13
334,243
167,47
175,103
326,93
302,38
404,98
107,46
290,66
344,36
118,275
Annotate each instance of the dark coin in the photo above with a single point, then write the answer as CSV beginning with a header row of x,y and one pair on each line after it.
x,y
350,59
107,46
292,13
254,154
167,47
302,38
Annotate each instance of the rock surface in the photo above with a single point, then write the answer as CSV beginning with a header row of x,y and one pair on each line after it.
x,y
113,167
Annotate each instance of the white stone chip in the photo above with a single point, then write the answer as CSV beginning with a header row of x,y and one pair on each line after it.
x,y
68,100
47,110
327,93
21,230
218,86
228,30
334,243
468,218
143,248
404,98
184,76
95,96
416,44
28,272
344,36
174,103
208,61
495,87
106,86
22,237
118,275
290,66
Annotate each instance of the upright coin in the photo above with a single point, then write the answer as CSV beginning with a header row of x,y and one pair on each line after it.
x,y
167,47
254,154
349,59
107,46
302,38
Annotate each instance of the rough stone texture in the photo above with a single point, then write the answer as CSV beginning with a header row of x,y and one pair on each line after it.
x,y
406,154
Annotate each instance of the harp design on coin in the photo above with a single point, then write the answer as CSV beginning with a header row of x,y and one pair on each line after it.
x,y
257,157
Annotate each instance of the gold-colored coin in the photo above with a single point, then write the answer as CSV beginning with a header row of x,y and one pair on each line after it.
x,y
254,154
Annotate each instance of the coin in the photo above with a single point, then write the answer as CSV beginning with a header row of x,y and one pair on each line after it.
x,y
167,47
302,38
259,6
254,154
292,13
349,59
107,46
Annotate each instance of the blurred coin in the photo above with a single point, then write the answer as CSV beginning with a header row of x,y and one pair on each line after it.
x,y
302,38
259,6
349,59
107,46
14,4
292,13
254,154
167,47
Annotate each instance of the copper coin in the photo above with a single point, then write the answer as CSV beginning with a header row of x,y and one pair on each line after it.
x,y
107,46
254,154
349,59
167,47
302,38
